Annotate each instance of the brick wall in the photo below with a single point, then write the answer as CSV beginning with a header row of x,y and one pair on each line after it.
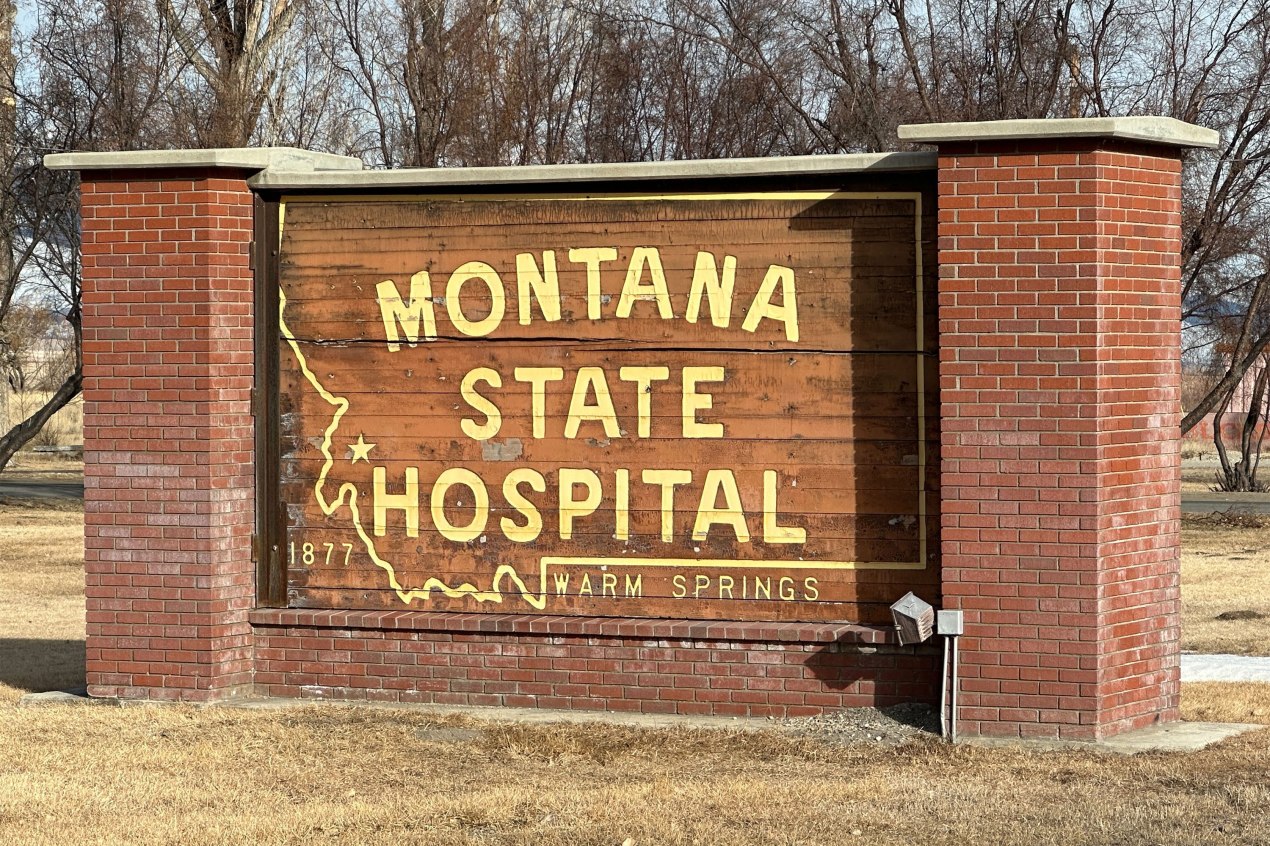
x,y
1060,384
167,314
649,666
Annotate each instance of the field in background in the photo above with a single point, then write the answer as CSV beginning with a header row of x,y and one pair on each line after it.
x,y
1200,465
339,775
1198,479
65,429
47,467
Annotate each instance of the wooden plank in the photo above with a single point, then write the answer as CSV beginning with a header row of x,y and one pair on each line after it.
x,y
270,532
843,329
875,613
440,367
392,246
643,497
793,479
758,397
313,219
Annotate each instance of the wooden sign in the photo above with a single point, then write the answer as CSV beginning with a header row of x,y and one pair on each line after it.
x,y
682,405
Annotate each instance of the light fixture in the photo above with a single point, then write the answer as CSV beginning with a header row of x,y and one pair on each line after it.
x,y
914,619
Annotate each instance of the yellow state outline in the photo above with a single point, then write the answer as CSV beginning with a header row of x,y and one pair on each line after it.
x,y
349,491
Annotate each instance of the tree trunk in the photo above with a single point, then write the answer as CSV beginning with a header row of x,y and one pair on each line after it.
x,y
8,152
1234,375
1241,477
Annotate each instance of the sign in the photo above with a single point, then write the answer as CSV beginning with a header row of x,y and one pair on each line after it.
x,y
683,405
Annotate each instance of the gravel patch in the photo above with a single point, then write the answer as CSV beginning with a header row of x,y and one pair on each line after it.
x,y
891,726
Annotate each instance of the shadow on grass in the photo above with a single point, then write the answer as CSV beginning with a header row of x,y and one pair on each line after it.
x,y
40,665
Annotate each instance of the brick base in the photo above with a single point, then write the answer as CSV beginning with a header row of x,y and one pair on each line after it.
x,y
590,663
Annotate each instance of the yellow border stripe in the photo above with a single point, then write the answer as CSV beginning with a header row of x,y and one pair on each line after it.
x,y
616,197
732,563
921,382
348,493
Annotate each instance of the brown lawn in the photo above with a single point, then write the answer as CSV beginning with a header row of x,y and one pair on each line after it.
x,y
1225,587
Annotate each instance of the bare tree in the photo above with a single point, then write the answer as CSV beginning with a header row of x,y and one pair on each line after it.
x,y
620,116
24,224
236,51
1241,473
86,78
486,82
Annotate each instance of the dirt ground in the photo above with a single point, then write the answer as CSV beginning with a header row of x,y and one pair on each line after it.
x,y
168,775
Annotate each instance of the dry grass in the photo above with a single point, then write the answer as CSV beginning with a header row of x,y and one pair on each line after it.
x,y
1225,571
1226,702
1197,479
343,775
41,600
35,466
168,775
1203,478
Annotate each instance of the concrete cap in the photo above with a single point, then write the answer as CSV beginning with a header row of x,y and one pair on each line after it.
x,y
1162,737
237,158
440,177
1154,130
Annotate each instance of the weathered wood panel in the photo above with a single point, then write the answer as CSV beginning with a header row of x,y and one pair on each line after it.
x,y
502,404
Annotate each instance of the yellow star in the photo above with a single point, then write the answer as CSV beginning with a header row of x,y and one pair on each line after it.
x,y
361,450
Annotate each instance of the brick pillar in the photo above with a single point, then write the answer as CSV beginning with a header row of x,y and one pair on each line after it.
x,y
168,435
168,430
1059,308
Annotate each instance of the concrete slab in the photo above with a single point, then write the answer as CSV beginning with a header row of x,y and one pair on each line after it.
x,y
1225,668
77,696
565,174
533,716
239,158
1176,737
1206,502
1167,737
1155,130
